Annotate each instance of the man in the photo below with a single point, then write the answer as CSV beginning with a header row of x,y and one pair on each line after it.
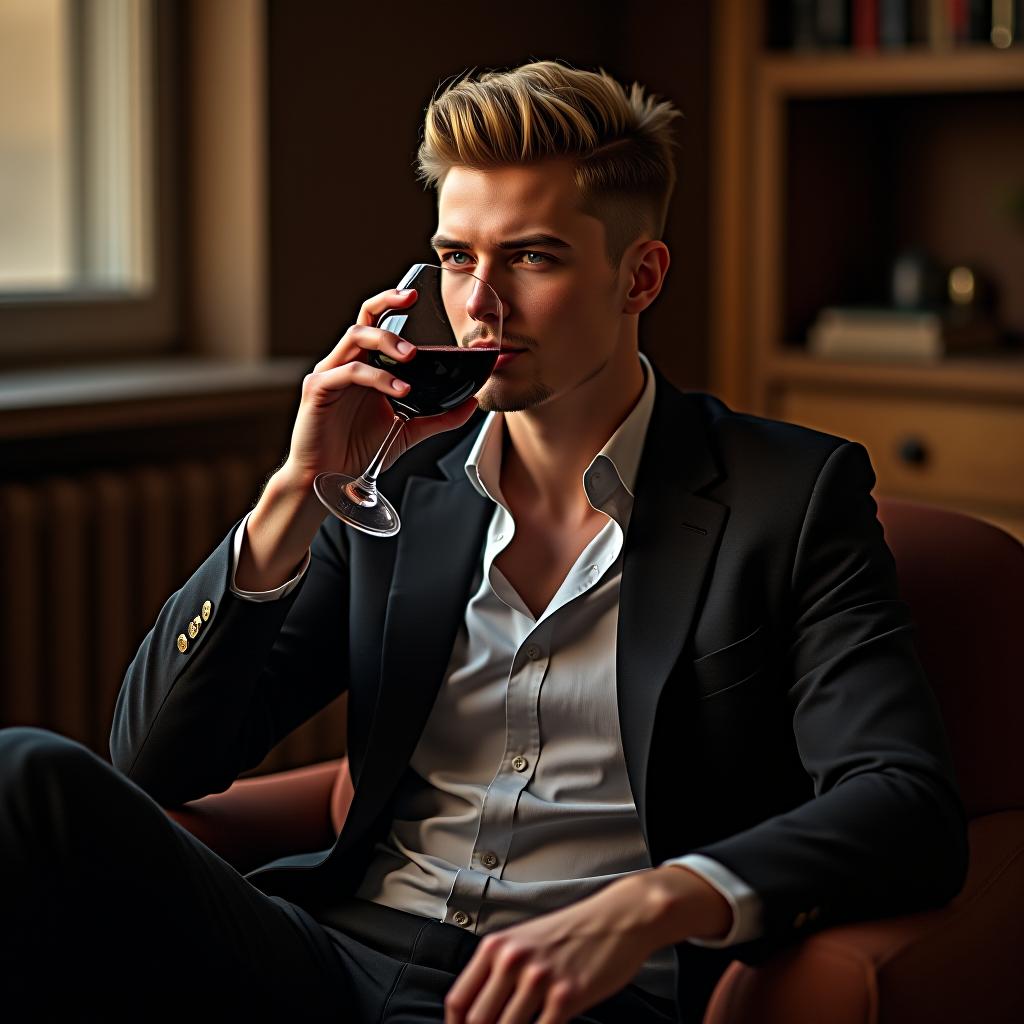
x,y
631,694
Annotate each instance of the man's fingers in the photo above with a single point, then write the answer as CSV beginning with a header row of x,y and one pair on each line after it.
x,y
489,1004
358,339
393,298
557,1005
468,984
528,996
325,387
506,966
364,335
421,427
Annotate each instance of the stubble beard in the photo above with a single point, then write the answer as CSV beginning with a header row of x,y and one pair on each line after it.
x,y
494,398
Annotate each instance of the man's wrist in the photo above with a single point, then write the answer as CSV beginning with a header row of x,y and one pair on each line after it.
x,y
277,534
293,479
680,905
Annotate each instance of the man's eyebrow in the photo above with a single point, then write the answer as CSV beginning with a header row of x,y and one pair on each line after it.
x,y
526,242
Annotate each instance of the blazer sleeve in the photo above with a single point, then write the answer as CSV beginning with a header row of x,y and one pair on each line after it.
x,y
188,721
885,831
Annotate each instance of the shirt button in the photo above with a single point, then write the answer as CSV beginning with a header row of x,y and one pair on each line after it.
x,y
533,652
499,536
520,763
593,570
489,860
461,918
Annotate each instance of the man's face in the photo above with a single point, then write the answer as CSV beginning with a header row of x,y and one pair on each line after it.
x,y
521,230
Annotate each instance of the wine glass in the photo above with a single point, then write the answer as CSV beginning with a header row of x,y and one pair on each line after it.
x,y
455,324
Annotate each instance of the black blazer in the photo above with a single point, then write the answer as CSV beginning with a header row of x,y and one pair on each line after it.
x,y
773,713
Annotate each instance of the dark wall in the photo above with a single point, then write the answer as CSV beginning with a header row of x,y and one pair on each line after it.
x,y
348,85
667,46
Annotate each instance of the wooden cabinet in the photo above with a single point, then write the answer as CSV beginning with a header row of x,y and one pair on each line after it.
x,y
935,449
827,165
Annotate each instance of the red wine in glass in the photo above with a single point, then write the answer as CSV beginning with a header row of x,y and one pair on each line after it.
x,y
440,377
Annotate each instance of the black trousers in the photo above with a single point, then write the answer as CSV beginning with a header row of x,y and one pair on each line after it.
x,y
111,911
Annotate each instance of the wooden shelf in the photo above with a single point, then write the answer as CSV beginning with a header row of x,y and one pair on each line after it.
x,y
828,164
966,69
115,396
993,377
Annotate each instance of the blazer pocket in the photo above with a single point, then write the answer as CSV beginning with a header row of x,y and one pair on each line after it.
x,y
731,665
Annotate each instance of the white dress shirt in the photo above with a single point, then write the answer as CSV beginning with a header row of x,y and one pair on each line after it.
x,y
517,800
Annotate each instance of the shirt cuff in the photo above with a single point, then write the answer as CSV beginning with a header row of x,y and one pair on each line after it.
x,y
259,596
747,909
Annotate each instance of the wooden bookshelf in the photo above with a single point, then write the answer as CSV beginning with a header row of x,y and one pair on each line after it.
x,y
965,69
827,165
998,378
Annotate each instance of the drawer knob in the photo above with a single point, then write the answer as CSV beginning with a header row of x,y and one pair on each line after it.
x,y
912,451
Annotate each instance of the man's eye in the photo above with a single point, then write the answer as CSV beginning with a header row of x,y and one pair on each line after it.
x,y
455,258
535,259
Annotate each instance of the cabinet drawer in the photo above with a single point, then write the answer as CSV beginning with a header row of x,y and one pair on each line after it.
x,y
923,447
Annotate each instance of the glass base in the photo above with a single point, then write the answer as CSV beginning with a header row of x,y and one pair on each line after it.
x,y
369,512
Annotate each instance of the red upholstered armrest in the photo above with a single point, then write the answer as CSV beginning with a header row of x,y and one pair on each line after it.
x,y
959,963
269,816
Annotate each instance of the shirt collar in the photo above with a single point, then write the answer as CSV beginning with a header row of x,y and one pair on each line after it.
x,y
621,454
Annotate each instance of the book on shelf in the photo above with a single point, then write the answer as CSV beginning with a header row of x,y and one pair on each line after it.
x,y
865,25
869,25
893,23
819,24
879,333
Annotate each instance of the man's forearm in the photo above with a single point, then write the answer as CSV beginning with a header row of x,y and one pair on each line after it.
x,y
681,905
278,534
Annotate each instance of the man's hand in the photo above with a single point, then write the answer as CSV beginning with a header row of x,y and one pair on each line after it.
x,y
343,415
555,967
342,419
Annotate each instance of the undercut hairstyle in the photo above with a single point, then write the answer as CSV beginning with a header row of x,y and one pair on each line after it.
x,y
621,142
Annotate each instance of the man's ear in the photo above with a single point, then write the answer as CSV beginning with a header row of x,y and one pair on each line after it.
x,y
649,264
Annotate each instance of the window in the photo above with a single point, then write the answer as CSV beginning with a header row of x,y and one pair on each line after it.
x,y
84,264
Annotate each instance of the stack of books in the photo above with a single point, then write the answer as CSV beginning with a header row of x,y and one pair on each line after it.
x,y
896,334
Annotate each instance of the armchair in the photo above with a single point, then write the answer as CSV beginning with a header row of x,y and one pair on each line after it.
x,y
964,581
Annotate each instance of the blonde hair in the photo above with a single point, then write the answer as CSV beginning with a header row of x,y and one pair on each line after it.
x,y
621,142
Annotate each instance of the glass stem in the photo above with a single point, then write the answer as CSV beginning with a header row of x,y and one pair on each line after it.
x,y
365,488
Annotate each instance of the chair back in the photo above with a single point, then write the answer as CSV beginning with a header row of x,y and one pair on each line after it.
x,y
342,794
964,582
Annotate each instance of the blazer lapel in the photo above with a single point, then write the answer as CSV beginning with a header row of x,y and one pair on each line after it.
x,y
438,552
673,535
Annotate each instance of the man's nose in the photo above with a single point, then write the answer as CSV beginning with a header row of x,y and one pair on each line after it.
x,y
484,305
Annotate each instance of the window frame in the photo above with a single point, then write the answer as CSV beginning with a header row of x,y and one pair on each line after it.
x,y
93,324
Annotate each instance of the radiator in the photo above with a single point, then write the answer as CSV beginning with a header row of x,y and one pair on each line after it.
x,y
86,562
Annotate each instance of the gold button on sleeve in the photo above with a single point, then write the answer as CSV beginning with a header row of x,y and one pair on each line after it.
x,y
193,630
207,610
182,643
